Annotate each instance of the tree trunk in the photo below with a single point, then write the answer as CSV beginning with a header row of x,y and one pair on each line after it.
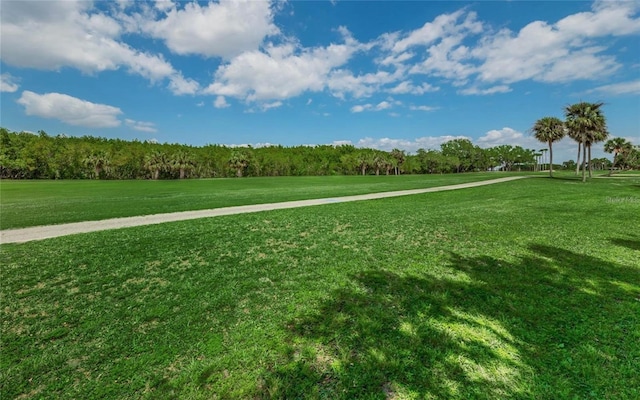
x,y
578,159
584,162
550,160
589,157
613,163
239,172
181,173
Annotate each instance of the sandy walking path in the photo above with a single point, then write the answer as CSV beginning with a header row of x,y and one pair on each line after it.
x,y
51,231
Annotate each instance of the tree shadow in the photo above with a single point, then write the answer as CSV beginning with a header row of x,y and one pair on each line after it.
x,y
628,243
488,328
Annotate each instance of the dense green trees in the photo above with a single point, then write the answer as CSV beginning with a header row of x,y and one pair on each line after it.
x,y
625,155
41,156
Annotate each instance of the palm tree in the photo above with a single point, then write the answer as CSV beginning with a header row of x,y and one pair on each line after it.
x,y
596,136
364,159
380,162
549,130
239,160
155,163
399,156
98,162
586,124
616,146
182,162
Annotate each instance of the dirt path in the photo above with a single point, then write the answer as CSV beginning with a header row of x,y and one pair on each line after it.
x,y
51,231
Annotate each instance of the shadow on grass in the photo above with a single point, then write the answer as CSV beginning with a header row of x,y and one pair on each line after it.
x,y
554,324
628,243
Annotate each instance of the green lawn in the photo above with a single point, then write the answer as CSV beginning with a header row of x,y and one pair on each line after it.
x,y
528,289
32,203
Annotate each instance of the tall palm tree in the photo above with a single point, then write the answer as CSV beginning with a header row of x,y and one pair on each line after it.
x,y
586,124
616,146
549,130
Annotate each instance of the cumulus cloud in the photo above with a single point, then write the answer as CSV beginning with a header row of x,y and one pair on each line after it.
x,y
220,102
279,72
505,135
217,29
407,87
423,108
492,90
258,63
469,54
141,126
70,110
74,34
409,145
550,52
616,89
8,83
268,106
180,85
383,105
442,26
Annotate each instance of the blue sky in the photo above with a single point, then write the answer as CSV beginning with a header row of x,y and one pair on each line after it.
x,y
379,74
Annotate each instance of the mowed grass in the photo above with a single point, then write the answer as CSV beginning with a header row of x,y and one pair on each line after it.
x,y
33,203
527,289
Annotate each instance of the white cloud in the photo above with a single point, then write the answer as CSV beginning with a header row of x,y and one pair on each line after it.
x,y
492,90
423,108
7,83
406,87
70,110
621,88
141,126
505,135
550,52
268,106
360,108
218,29
180,85
220,102
606,18
442,38
279,72
164,5
540,51
411,146
383,105
442,26
51,35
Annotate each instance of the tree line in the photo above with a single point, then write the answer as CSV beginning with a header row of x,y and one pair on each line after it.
x,y
25,155
586,124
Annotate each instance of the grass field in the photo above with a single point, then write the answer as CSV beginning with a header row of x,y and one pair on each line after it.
x,y
32,203
527,289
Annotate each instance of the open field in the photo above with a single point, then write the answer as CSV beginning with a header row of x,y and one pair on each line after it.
x,y
526,289
33,203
